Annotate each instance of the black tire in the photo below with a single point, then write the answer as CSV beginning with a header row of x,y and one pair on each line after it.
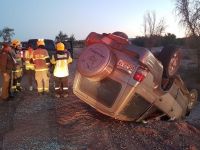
x,y
170,57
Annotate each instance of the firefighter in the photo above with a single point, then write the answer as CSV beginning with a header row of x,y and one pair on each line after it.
x,y
41,62
17,73
61,72
29,66
7,64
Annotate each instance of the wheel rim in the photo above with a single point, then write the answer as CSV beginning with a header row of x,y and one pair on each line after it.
x,y
193,95
174,63
193,98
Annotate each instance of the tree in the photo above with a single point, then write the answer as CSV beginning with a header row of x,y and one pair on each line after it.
x,y
189,13
61,37
6,34
139,41
153,29
169,39
72,38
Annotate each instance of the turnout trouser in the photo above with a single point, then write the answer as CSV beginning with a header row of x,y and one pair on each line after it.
x,y
17,77
42,80
61,85
30,75
5,85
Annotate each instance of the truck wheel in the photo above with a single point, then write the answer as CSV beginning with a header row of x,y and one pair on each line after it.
x,y
170,58
96,62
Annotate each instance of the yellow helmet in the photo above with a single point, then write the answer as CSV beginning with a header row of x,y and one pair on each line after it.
x,y
40,42
60,46
15,43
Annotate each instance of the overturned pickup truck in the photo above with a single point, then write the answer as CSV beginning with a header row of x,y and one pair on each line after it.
x,y
131,83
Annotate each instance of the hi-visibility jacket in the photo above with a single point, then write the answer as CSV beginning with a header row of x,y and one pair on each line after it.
x,y
61,60
28,57
39,58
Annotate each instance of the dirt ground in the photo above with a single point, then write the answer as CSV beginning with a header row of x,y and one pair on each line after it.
x,y
46,123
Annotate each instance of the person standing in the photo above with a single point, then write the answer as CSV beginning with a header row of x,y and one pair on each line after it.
x,y
17,73
61,72
41,62
7,64
29,66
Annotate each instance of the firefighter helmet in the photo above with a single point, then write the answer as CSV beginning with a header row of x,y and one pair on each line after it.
x,y
40,42
60,46
15,43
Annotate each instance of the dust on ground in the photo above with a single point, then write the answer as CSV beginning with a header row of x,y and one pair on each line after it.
x,y
33,121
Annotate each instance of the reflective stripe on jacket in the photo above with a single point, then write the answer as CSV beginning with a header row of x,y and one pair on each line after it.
x,y
61,61
39,58
28,56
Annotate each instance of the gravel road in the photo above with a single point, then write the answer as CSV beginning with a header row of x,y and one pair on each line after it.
x,y
46,123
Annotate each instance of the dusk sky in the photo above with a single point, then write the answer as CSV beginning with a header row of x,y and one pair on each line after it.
x,y
45,18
